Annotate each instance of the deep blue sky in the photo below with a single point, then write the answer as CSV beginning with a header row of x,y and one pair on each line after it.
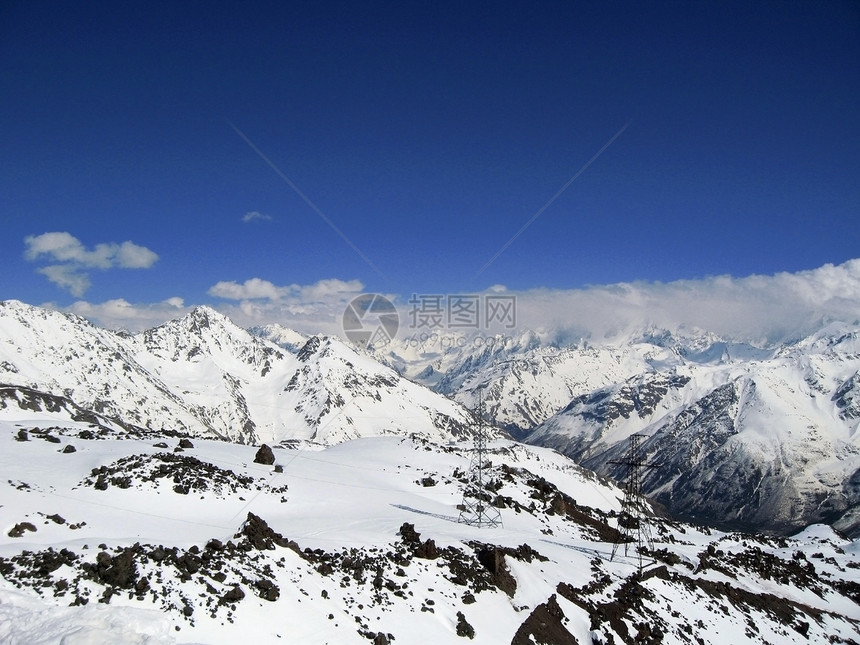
x,y
429,135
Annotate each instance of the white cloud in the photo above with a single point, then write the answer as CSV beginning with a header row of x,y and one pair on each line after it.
x,y
328,289
75,259
132,256
121,314
255,216
760,308
66,276
253,289
258,289
314,308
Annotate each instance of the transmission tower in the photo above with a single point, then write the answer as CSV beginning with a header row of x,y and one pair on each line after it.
x,y
633,517
477,509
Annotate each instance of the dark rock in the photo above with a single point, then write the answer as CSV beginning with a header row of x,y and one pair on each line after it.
x,y
22,435
122,571
464,629
185,443
234,595
215,545
427,550
264,456
260,535
69,449
188,562
409,534
493,559
267,589
18,530
544,625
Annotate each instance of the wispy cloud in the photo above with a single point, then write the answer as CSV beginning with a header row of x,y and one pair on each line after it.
x,y
121,314
253,289
313,308
75,260
757,308
258,289
68,277
255,216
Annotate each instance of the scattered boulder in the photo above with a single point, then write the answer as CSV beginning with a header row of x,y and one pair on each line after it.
x,y
69,449
493,559
409,534
267,590
18,530
22,435
185,443
264,456
427,550
464,629
544,625
234,595
118,571
259,535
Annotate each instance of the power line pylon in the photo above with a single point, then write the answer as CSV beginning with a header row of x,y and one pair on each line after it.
x,y
633,517
477,509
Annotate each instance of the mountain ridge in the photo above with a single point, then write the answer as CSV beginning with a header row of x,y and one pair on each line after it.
x,y
202,374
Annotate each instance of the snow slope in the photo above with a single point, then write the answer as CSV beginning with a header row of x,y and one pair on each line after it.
x,y
113,534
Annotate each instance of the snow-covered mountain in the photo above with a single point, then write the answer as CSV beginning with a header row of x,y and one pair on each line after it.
x,y
759,438
746,437
749,436
133,506
113,534
522,380
203,375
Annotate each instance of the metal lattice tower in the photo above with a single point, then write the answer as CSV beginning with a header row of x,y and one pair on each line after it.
x,y
633,517
477,509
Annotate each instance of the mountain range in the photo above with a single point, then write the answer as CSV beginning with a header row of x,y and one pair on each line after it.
x,y
734,435
205,376
197,482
